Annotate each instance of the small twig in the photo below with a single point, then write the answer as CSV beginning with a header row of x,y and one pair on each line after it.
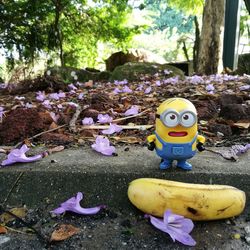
x,y
132,116
140,127
13,186
72,123
14,230
44,132
39,235
215,152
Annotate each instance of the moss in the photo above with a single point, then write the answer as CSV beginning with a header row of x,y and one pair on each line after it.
x,y
133,71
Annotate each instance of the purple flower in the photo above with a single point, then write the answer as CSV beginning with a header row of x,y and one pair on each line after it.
x,y
126,89
3,85
140,87
244,87
125,81
59,106
210,88
87,121
80,96
40,96
113,128
73,205
172,80
176,226
72,86
1,113
158,83
167,72
61,94
240,149
104,118
54,116
18,155
54,96
196,79
47,104
117,91
132,111
102,145
148,90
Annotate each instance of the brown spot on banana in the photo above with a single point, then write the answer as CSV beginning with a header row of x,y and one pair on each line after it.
x,y
192,210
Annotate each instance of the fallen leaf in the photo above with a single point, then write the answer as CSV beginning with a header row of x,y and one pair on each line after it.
x,y
64,232
18,211
245,125
56,149
3,230
128,139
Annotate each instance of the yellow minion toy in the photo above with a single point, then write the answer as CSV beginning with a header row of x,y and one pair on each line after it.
x,y
176,136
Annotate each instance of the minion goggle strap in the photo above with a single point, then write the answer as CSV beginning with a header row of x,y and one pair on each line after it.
x,y
171,118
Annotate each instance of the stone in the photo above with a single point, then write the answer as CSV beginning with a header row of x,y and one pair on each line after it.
x,y
235,112
135,70
220,128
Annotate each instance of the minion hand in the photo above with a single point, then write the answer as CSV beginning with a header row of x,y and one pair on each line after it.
x,y
151,146
200,146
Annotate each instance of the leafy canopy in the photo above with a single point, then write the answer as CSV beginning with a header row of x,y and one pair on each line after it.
x,y
68,30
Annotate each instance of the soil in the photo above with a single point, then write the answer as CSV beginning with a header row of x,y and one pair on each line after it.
x,y
121,230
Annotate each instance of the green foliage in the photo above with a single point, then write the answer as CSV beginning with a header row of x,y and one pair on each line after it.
x,y
194,7
65,30
168,19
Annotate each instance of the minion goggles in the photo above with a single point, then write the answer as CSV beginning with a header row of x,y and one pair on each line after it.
x,y
171,118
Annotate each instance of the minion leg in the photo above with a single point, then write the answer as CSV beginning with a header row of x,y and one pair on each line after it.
x,y
165,164
184,165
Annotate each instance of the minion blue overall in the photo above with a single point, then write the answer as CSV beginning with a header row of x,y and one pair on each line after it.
x,y
176,136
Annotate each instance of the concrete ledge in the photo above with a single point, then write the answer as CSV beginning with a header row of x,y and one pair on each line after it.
x,y
105,179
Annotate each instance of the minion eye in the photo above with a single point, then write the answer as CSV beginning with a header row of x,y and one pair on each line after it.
x,y
171,119
188,119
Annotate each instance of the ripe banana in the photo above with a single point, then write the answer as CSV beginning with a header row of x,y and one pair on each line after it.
x,y
194,201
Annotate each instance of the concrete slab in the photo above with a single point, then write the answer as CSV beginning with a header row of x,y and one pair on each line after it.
x,y
105,179
44,184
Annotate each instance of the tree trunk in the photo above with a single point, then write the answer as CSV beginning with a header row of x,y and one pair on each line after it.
x,y
196,44
211,41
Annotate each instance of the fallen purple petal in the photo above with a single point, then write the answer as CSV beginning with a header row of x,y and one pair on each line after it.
x,y
117,91
72,86
40,96
1,113
47,104
54,116
18,155
176,226
73,205
80,96
54,96
113,128
148,90
132,111
126,89
102,145
210,88
87,121
104,118
158,83
244,87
